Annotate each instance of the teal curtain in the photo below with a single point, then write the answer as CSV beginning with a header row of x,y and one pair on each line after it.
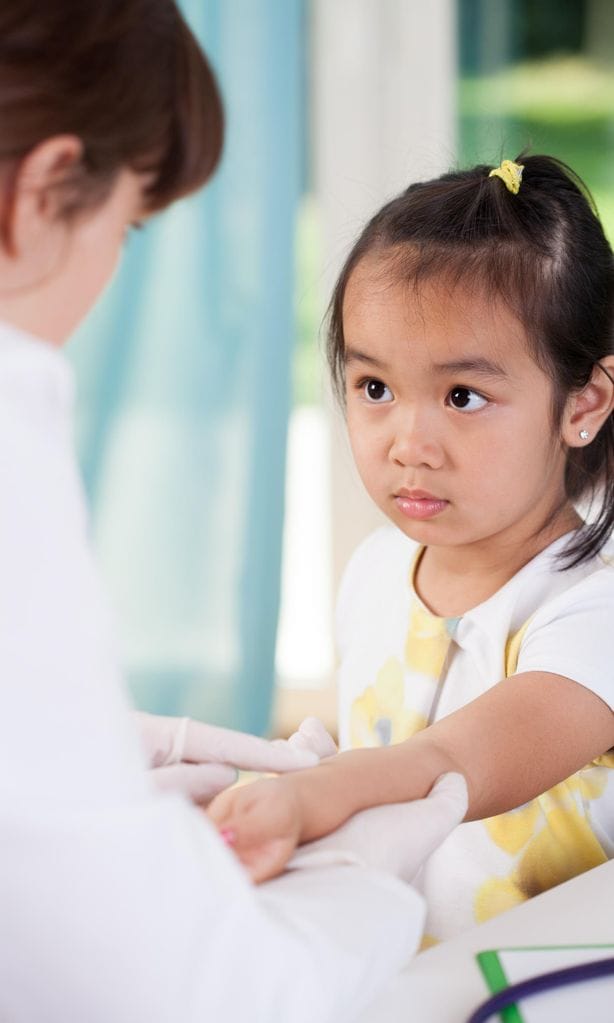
x,y
184,385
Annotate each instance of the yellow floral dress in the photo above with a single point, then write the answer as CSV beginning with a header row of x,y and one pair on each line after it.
x,y
487,866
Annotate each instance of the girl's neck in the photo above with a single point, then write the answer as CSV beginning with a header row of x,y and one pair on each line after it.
x,y
452,580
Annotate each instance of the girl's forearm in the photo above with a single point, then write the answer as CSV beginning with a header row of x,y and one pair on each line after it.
x,y
359,779
512,743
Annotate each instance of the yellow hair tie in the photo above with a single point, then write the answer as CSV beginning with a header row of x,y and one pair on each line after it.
x,y
510,174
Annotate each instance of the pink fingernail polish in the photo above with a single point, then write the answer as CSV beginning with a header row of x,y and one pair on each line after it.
x,y
228,835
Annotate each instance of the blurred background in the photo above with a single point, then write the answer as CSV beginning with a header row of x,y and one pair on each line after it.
x,y
224,500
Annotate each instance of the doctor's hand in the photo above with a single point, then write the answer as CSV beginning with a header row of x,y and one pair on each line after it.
x,y
201,760
396,838
311,735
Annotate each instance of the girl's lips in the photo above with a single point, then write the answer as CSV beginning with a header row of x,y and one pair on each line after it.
x,y
414,506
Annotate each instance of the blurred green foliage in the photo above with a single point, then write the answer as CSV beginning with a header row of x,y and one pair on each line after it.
x,y
563,106
491,33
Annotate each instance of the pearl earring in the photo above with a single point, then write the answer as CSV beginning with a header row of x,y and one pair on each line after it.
x,y
584,434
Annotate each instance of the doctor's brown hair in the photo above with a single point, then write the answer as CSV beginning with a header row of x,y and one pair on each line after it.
x,y
543,251
127,77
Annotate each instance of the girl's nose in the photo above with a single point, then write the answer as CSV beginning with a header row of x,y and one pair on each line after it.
x,y
414,445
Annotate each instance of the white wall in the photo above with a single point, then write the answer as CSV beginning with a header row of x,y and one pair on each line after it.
x,y
384,78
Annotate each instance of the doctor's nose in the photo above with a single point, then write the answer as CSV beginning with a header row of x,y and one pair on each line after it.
x,y
414,445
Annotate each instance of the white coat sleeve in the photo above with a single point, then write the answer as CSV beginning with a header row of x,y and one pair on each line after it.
x,y
119,902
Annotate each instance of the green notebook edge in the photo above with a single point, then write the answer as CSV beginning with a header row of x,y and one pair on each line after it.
x,y
495,977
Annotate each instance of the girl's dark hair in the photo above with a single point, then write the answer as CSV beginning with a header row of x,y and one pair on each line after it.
x,y
126,76
543,251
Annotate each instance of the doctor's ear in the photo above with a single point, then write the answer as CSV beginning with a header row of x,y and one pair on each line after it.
x,y
34,198
587,410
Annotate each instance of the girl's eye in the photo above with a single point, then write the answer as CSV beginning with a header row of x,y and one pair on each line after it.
x,y
463,399
377,392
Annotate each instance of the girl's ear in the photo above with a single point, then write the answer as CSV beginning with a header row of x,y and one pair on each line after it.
x,y
588,409
32,200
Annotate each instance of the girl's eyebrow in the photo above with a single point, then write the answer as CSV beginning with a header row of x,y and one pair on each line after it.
x,y
480,365
355,355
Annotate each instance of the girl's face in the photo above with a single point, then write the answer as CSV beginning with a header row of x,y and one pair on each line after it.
x,y
449,416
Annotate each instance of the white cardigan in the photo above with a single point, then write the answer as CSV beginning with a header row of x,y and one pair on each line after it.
x,y
119,904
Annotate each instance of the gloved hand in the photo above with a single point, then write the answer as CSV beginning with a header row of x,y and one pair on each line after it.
x,y
200,760
396,838
311,735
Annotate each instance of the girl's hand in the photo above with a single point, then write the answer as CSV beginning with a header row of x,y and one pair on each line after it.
x,y
262,822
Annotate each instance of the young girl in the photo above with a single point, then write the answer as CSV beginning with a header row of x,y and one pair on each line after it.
x,y
471,340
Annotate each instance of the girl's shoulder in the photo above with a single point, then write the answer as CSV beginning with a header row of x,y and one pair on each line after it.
x,y
386,550
543,587
379,568
385,541
587,587
605,558
570,634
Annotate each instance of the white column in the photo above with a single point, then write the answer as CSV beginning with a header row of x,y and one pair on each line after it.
x,y
384,115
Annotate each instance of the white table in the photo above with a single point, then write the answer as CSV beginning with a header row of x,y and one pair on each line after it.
x,y
444,984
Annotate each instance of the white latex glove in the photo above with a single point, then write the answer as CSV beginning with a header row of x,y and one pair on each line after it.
x,y
312,735
396,838
200,760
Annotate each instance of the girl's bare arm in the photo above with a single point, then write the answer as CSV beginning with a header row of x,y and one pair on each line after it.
x,y
512,743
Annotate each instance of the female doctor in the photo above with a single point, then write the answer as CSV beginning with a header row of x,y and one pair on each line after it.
x,y
118,900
